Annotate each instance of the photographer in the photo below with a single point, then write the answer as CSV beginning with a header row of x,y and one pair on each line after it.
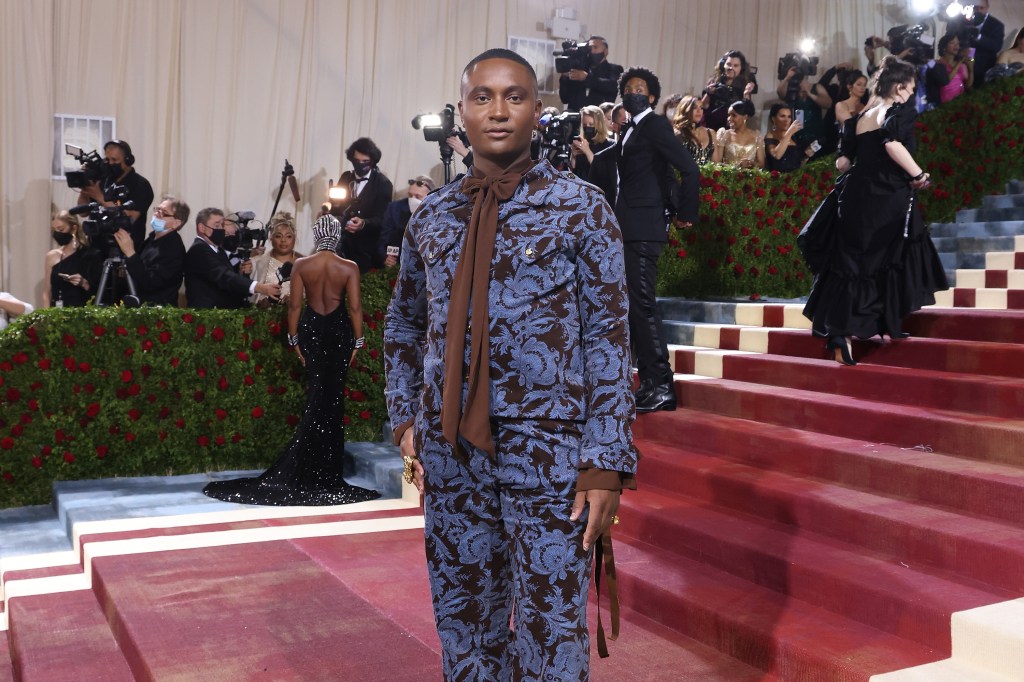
x,y
593,138
580,87
72,270
808,102
120,171
370,193
985,34
397,216
733,80
210,281
158,268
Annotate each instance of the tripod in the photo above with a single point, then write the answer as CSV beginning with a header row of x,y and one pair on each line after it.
x,y
110,285
446,159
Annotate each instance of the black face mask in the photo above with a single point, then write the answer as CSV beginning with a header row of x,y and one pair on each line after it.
x,y
230,242
362,167
115,170
596,58
634,102
62,238
589,132
217,237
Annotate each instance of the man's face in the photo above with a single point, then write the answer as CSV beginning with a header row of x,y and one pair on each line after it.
x,y
115,156
418,191
981,7
499,109
360,159
638,86
597,48
621,117
214,222
166,213
732,67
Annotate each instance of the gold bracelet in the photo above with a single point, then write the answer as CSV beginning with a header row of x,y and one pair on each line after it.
x,y
407,470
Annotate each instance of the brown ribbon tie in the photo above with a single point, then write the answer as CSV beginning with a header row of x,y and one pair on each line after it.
x,y
604,558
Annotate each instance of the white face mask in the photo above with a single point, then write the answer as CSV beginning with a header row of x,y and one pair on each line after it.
x,y
414,204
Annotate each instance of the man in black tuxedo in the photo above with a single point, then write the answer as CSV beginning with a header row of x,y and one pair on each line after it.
x,y
210,281
989,42
369,195
579,88
647,151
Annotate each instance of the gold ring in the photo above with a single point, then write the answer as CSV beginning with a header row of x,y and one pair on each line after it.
x,y
407,471
615,520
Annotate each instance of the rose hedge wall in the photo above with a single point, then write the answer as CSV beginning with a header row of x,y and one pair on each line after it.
x,y
103,392
744,244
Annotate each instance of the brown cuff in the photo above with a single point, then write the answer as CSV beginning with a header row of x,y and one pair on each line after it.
x,y
604,479
400,430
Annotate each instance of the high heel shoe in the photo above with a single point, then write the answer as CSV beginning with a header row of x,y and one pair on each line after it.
x,y
845,351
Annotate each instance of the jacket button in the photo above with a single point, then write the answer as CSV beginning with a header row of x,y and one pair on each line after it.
x,y
529,252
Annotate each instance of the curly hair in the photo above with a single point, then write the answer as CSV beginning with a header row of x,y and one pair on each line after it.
x,y
363,145
644,74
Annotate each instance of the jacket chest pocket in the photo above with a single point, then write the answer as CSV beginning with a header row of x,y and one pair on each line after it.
x,y
542,265
440,257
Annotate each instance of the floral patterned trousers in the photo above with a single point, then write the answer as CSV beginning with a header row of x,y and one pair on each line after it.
x,y
508,573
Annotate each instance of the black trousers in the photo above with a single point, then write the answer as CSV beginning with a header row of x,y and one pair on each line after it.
x,y
645,328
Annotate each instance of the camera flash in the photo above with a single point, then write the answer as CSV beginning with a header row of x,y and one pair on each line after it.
x,y
807,45
337,193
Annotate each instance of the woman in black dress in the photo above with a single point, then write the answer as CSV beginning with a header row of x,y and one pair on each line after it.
x,y
883,265
781,151
73,268
309,471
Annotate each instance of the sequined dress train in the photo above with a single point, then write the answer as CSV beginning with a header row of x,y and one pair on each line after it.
x,y
309,471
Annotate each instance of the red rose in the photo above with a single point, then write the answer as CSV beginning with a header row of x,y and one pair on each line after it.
x,y
222,384
37,462
219,440
199,396
44,364
346,420
162,435
20,358
147,345
236,438
248,322
129,351
46,450
217,334
179,422
134,414
68,457
248,380
200,331
126,376
164,413
113,430
201,371
101,451
33,405
121,331
8,476
257,344
374,353
142,330
70,364
7,443
187,317
93,409
221,413
293,420
13,395
257,412
365,414
175,362
243,356
69,341
220,361
203,441
17,430
164,337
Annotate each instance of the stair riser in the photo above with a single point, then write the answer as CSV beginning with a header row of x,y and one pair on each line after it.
x,y
975,215
858,467
980,440
848,595
967,325
1007,228
1000,565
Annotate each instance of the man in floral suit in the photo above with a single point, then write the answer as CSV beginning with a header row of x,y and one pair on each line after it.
x,y
516,429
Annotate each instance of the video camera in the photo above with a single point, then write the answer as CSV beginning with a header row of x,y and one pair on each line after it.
x,y
573,55
93,168
558,135
104,221
248,237
804,65
438,127
914,38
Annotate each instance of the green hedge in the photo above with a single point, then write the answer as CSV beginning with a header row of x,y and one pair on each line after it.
x,y
744,244
103,392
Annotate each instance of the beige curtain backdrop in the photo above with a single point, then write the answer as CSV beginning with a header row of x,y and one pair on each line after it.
x,y
214,95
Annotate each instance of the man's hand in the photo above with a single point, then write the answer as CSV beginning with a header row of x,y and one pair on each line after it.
x,y
245,267
456,144
407,449
93,192
354,224
577,75
603,505
390,261
748,89
271,290
125,243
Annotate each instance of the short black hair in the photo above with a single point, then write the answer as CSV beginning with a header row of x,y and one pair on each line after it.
x,y
646,75
205,214
601,38
502,53
744,107
363,145
776,108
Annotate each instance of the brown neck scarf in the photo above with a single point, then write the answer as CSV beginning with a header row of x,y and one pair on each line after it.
x,y
472,277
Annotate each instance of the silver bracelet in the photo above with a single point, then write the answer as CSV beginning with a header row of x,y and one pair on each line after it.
x,y
360,342
293,340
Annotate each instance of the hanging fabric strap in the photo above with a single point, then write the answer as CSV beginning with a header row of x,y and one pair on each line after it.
x,y
604,558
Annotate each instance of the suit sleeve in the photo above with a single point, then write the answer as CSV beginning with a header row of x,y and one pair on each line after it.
x,y
388,231
605,84
405,331
217,272
669,146
991,40
607,438
160,272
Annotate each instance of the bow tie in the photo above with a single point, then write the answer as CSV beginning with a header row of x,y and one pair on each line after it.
x,y
358,180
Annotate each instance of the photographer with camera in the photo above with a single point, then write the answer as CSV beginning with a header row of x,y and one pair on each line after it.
x,y
589,78
979,30
593,138
808,101
119,171
733,79
73,268
397,216
158,268
369,195
210,281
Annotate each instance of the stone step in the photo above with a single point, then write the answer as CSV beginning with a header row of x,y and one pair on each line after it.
x,y
990,229
974,215
977,245
1008,200
983,299
1005,260
990,279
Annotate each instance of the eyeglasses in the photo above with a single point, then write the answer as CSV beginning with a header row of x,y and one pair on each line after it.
x,y
161,212
419,183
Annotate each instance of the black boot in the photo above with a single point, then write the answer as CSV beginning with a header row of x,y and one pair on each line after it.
x,y
660,398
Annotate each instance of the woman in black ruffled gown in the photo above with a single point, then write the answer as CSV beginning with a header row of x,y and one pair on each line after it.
x,y
883,265
309,471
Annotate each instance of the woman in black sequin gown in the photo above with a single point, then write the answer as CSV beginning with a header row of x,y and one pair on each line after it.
x,y
309,471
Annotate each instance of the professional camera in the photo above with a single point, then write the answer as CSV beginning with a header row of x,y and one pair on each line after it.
x,y
437,127
804,65
914,38
572,56
93,168
962,26
248,237
558,135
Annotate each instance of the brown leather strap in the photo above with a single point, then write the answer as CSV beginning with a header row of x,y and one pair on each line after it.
x,y
604,557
